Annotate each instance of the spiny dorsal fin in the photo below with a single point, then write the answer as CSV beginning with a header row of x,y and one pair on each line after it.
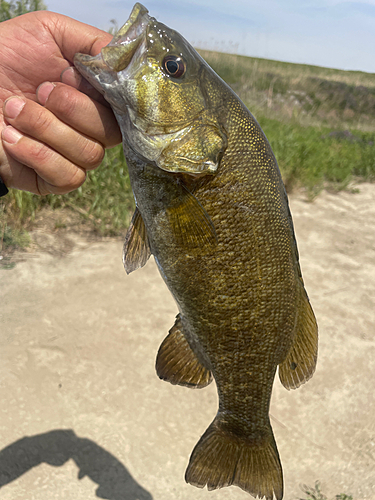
x,y
136,247
191,225
176,362
223,458
299,365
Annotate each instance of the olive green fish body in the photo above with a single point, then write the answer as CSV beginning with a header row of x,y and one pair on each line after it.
x,y
212,209
238,308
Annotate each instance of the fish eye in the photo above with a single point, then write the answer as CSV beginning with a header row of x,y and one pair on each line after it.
x,y
174,66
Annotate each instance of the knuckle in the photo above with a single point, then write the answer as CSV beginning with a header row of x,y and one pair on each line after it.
x,y
77,179
40,153
93,154
65,102
62,187
42,186
41,121
71,180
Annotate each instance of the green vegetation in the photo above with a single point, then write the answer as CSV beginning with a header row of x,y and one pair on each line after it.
x,y
316,494
12,8
12,237
309,95
320,123
314,157
105,200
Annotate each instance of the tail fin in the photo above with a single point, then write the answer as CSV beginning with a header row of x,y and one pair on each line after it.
x,y
223,459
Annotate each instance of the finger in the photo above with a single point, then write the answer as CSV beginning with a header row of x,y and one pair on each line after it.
x,y
39,123
70,76
21,177
80,112
18,176
55,174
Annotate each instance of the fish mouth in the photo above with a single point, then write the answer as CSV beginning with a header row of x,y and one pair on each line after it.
x,y
117,55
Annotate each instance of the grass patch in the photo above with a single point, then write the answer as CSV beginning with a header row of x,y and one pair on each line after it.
x,y
314,157
105,200
313,95
320,122
315,493
12,237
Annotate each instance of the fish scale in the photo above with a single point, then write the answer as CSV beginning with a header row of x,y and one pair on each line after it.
x,y
212,209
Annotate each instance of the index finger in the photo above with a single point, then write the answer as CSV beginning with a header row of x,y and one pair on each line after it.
x,y
70,76
82,113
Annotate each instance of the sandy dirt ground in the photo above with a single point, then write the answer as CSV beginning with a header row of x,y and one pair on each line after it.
x,y
83,414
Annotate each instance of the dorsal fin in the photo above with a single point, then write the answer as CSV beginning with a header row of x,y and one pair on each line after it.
x,y
136,247
177,363
299,365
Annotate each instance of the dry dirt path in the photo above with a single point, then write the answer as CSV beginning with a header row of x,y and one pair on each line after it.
x,y
83,414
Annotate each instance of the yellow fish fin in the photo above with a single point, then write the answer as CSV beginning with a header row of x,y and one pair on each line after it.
x,y
136,250
177,363
299,365
222,458
197,152
191,225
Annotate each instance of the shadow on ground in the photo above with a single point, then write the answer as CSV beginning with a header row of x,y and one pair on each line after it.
x,y
56,448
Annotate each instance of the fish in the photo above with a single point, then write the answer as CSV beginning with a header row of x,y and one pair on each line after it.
x,y
212,209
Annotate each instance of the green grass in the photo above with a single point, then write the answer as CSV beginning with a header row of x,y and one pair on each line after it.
x,y
314,157
12,237
105,200
320,123
310,94
316,494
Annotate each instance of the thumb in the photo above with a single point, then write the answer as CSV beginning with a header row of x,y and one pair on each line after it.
x,y
72,36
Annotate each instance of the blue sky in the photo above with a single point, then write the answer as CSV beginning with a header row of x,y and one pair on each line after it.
x,y
333,33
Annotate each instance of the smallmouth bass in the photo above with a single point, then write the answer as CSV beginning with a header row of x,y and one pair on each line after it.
x,y
212,209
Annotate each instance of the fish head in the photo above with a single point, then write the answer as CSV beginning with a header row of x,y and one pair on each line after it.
x,y
152,78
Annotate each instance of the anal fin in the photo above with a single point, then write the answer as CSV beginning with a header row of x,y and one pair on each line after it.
x,y
136,247
177,363
299,365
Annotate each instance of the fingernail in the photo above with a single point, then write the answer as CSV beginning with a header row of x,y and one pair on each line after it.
x,y
11,135
70,76
43,92
13,107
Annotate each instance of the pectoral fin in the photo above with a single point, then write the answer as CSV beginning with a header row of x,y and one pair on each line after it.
x,y
299,365
136,247
197,152
177,363
191,225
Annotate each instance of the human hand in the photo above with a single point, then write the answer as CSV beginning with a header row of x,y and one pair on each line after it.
x,y
62,127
